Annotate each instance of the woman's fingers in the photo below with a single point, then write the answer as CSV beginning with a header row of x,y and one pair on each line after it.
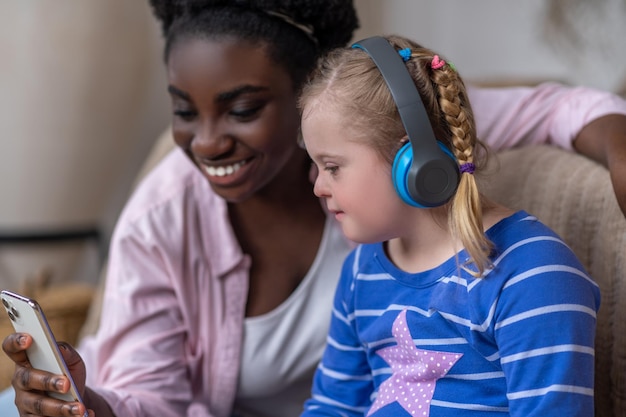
x,y
27,378
32,403
32,385
15,345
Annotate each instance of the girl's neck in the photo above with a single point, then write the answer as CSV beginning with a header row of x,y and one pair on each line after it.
x,y
427,243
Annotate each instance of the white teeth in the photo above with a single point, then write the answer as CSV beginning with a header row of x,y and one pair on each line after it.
x,y
224,170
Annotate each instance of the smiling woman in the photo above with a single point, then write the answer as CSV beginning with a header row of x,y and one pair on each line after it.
x,y
236,198
235,116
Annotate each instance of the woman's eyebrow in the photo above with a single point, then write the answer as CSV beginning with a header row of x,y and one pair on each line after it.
x,y
235,92
177,92
221,97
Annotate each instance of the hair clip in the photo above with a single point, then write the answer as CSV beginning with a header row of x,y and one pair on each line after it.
x,y
451,65
467,167
405,54
437,63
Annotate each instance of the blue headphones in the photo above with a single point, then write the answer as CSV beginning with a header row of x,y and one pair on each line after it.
x,y
425,174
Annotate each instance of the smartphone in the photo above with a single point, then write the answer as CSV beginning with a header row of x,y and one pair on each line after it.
x,y
27,317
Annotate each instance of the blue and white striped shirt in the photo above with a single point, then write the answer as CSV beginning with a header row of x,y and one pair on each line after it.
x,y
517,342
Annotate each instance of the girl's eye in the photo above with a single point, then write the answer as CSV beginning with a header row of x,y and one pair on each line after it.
x,y
332,169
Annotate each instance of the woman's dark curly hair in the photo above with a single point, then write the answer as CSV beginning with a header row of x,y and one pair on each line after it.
x,y
332,22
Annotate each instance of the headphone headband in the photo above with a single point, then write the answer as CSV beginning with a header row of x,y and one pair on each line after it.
x,y
403,90
428,173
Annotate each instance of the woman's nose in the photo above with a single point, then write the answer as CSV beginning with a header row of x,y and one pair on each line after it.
x,y
211,141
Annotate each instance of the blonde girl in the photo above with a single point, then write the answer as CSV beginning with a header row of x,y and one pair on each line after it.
x,y
462,308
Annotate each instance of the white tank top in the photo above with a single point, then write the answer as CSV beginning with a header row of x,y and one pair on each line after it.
x,y
282,348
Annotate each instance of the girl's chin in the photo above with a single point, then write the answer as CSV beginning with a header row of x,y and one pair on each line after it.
x,y
359,236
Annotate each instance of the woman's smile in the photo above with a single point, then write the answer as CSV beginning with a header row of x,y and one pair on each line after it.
x,y
227,174
223,171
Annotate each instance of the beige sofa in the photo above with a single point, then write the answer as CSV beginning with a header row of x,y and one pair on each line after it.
x,y
574,196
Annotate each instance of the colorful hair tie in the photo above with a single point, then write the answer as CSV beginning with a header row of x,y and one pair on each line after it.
x,y
467,167
405,54
451,65
437,63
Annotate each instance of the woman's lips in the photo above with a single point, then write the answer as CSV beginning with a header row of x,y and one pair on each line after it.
x,y
226,174
223,170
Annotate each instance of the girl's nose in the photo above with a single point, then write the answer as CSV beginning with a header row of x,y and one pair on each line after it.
x,y
319,188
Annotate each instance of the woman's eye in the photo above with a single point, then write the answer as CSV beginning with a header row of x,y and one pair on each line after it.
x,y
246,113
185,114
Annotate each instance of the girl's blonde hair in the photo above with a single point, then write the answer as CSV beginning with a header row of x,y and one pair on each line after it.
x,y
351,79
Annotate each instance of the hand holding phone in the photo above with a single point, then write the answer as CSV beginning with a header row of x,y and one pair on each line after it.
x,y
27,317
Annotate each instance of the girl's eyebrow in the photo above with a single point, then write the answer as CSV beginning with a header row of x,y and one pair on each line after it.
x,y
325,155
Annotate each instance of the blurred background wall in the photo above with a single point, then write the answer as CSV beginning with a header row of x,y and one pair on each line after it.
x,y
82,98
574,41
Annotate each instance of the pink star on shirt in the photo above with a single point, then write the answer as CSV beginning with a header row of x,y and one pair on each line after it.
x,y
415,372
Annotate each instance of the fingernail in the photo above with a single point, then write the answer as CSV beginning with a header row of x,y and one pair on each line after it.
x,y
74,410
58,384
21,340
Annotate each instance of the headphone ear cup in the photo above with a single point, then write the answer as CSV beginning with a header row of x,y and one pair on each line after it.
x,y
434,179
400,174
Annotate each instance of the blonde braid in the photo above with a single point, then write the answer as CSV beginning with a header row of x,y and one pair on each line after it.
x,y
444,95
465,217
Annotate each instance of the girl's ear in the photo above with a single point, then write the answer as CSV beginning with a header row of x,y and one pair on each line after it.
x,y
300,140
403,141
397,147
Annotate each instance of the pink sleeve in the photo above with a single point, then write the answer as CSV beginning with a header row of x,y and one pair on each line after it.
x,y
138,361
548,113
